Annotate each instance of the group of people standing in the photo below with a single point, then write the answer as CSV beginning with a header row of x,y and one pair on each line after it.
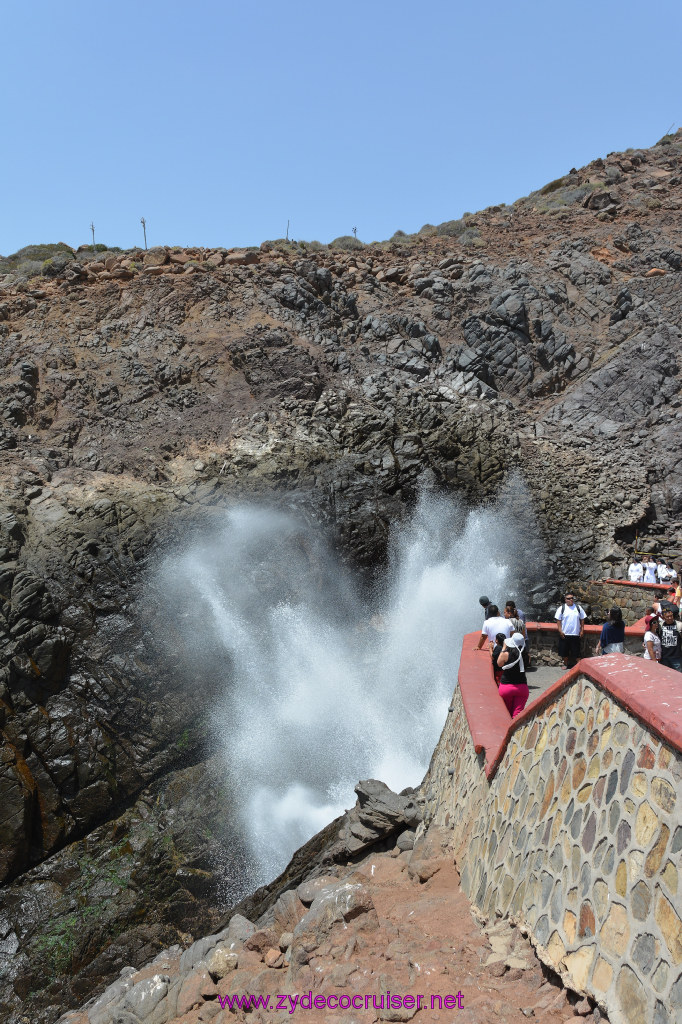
x,y
506,638
507,635
663,636
651,570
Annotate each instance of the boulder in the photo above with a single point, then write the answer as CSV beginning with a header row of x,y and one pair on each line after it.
x,y
155,257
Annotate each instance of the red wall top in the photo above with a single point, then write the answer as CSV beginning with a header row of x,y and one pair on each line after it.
x,y
649,691
630,583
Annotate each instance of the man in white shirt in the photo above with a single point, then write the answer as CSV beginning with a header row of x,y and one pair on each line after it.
x,y
636,570
493,625
571,617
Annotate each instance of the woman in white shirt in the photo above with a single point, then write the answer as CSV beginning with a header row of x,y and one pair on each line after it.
x,y
649,571
635,571
652,641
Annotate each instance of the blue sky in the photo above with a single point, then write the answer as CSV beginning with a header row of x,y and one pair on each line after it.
x,y
218,121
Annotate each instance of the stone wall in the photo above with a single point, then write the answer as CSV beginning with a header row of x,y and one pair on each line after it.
x,y
543,642
632,598
577,837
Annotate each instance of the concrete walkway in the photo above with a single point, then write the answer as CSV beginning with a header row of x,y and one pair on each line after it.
x,y
542,678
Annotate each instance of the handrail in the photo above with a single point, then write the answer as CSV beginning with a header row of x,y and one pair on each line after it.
x,y
630,583
636,629
650,692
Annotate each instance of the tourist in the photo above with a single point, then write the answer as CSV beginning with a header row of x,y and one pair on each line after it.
x,y
497,650
651,641
666,602
649,566
672,572
662,574
636,570
516,611
493,625
671,641
571,617
511,612
612,639
518,621
514,685
485,605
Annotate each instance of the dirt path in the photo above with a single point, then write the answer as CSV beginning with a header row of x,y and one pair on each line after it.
x,y
378,931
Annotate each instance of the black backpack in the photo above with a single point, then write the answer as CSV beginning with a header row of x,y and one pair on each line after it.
x,y
578,607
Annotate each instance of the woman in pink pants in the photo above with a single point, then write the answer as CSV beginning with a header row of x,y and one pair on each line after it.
x,y
514,686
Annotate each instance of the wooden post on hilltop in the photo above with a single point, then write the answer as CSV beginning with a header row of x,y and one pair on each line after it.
x,y
92,228
143,222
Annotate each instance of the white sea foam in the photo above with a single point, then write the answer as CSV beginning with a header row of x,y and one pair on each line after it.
x,y
324,685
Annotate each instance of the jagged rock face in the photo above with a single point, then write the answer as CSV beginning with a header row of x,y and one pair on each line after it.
x,y
140,393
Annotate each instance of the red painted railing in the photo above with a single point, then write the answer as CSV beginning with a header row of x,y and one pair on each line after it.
x,y
632,583
650,692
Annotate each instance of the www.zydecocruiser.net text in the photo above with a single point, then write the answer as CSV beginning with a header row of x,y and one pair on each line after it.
x,y
308,1001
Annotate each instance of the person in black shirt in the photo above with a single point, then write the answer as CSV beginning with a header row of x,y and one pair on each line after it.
x,y
497,650
671,642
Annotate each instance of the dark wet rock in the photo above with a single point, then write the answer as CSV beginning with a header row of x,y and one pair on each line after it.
x,y
118,896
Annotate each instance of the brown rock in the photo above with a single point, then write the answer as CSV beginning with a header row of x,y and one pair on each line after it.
x,y
582,1008
261,941
578,965
615,932
155,257
241,259
389,984
632,998
194,989
274,958
587,923
288,911
426,858
646,824
664,794
220,962
602,975
655,857
308,890
671,926
249,960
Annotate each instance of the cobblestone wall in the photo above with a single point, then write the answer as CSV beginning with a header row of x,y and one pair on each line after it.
x,y
632,600
578,838
543,645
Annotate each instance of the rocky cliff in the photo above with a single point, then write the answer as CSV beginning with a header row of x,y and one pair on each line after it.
x,y
141,392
